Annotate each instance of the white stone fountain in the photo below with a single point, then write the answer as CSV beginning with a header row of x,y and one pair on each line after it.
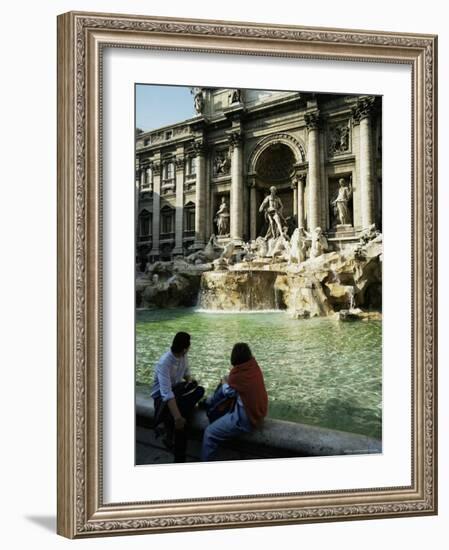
x,y
298,274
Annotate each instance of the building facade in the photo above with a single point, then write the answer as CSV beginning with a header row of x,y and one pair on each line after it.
x,y
322,152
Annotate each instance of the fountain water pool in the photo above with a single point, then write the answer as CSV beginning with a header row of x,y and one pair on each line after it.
x,y
318,371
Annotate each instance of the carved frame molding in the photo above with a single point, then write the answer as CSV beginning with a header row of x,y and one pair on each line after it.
x,y
81,37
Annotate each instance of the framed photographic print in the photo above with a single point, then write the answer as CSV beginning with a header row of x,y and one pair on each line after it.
x,y
247,274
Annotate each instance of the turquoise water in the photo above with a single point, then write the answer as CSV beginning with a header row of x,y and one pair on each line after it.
x,y
317,371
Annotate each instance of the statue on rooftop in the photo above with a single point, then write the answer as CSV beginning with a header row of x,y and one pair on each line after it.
x,y
235,96
198,100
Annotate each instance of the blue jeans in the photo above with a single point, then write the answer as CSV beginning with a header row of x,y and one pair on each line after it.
x,y
226,427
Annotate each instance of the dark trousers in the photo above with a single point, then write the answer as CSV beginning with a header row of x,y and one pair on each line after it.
x,y
186,404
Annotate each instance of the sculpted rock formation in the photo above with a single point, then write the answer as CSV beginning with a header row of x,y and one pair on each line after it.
x,y
238,290
330,283
346,284
170,284
336,281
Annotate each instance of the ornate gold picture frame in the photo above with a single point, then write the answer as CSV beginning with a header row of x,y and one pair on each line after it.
x,y
82,510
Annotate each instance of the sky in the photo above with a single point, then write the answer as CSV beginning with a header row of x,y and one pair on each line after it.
x,y
158,106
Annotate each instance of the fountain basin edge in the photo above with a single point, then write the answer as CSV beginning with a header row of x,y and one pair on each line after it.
x,y
278,437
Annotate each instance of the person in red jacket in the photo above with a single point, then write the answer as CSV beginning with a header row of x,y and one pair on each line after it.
x,y
246,383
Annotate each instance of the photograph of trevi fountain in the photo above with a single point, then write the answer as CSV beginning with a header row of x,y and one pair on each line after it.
x,y
259,220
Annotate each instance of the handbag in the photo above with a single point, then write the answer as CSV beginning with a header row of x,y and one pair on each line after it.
x,y
221,405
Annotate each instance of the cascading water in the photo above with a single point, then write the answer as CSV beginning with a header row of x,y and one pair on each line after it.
x,y
238,290
276,298
350,290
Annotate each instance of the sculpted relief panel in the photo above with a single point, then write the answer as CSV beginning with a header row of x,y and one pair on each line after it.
x,y
222,163
339,139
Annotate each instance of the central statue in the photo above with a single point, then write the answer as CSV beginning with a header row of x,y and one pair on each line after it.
x,y
272,208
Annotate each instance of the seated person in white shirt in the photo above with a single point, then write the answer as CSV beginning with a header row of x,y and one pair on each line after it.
x,y
174,401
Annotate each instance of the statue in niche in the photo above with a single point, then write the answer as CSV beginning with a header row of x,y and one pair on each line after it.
x,y
341,203
272,208
198,100
222,218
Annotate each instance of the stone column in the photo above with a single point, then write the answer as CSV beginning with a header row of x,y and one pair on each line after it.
x,y
314,217
357,221
148,176
253,211
179,212
200,195
208,204
156,207
363,113
235,140
300,182
294,188
137,198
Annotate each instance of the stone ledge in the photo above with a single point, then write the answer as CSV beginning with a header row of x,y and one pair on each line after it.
x,y
290,438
